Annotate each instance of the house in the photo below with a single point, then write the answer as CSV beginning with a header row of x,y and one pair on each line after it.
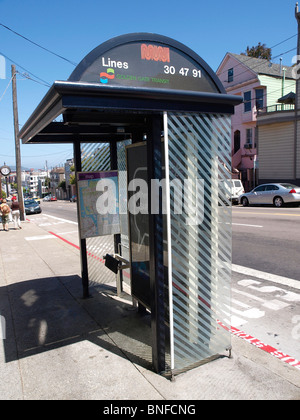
x,y
261,83
57,175
279,134
279,155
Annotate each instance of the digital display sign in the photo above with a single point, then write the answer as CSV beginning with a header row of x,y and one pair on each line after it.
x,y
149,65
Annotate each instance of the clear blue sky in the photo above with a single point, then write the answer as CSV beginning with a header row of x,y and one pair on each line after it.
x,y
73,28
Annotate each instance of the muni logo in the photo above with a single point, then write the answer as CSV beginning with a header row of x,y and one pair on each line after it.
x,y
155,53
104,77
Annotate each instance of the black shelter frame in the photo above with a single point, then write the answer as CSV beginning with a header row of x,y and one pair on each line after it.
x,y
94,113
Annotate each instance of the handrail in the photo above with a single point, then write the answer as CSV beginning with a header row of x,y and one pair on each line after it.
x,y
276,108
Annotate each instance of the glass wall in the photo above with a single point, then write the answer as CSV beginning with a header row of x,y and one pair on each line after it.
x,y
198,150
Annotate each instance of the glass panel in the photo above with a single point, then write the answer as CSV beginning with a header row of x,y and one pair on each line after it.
x,y
200,217
96,157
121,151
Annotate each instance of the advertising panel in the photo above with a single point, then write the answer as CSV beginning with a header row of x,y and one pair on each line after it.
x,y
98,203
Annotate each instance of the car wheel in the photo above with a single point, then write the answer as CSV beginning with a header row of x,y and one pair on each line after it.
x,y
278,202
245,202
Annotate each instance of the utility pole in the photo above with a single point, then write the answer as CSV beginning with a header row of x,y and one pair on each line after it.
x,y
17,141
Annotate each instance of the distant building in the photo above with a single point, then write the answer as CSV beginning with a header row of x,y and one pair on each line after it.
x,y
57,175
34,182
261,83
69,171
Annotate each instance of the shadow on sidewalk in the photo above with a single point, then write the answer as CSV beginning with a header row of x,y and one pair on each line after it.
x,y
43,315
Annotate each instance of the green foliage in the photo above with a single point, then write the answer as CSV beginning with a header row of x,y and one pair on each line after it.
x,y
259,51
72,180
62,185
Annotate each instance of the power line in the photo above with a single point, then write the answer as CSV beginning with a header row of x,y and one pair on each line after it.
x,y
6,89
282,42
64,152
27,71
27,76
38,45
274,46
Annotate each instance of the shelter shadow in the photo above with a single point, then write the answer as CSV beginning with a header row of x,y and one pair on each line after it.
x,y
46,314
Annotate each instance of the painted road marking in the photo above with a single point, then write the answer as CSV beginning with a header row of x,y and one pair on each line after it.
x,y
39,237
68,233
242,224
265,347
268,214
283,281
59,218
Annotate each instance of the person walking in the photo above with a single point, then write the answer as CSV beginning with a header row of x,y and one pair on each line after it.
x,y
15,212
5,210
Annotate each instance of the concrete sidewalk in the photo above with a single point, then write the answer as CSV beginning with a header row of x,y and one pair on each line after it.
x,y
59,346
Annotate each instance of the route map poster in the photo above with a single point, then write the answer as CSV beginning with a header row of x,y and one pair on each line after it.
x,y
98,194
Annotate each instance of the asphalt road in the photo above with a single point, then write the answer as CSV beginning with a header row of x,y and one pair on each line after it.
x,y
267,239
63,209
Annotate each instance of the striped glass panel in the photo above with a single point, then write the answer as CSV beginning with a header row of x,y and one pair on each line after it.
x,y
96,157
199,149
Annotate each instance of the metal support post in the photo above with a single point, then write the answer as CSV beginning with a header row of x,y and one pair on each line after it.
x,y
83,253
117,238
154,154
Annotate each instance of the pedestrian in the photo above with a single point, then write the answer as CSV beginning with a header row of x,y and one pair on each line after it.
x,y
15,212
5,210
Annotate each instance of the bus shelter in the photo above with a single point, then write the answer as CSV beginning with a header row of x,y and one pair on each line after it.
x,y
150,126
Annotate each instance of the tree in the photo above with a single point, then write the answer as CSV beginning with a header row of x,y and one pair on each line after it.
x,y
72,179
62,185
260,51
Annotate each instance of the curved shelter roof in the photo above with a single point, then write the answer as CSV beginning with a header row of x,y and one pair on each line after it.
x,y
118,83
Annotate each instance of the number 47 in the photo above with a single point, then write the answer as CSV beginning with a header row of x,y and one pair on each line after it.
x,y
184,71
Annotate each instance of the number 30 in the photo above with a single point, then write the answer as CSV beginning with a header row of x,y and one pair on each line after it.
x,y
169,69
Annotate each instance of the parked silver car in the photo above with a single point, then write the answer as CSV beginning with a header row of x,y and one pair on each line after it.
x,y
276,194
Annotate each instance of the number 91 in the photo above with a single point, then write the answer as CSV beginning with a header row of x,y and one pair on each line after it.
x,y
197,73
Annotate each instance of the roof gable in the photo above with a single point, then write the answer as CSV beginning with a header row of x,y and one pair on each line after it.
x,y
241,73
262,66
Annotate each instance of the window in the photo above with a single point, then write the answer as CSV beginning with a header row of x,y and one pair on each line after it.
x,y
230,75
237,141
271,188
289,186
249,136
259,98
247,101
260,189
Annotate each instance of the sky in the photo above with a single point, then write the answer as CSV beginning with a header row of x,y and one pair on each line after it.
x,y
71,29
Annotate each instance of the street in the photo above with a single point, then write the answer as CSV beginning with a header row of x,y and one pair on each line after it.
x,y
267,239
266,272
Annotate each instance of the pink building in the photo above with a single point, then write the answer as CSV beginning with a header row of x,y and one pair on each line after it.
x,y
261,83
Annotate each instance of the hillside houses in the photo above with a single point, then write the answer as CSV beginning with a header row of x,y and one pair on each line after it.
x,y
262,84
